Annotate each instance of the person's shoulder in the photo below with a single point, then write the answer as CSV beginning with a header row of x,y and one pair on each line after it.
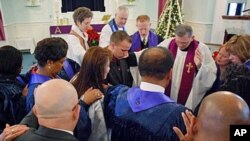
x,y
117,89
165,42
176,108
27,136
202,45
106,28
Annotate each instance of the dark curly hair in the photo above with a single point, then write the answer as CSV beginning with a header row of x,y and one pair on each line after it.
x,y
11,61
238,81
53,49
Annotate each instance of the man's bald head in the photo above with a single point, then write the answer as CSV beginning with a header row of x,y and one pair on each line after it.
x,y
220,110
155,62
55,99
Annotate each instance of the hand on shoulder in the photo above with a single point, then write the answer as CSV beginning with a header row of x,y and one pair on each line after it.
x,y
189,120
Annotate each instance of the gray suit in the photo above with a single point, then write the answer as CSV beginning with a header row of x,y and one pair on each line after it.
x,y
45,134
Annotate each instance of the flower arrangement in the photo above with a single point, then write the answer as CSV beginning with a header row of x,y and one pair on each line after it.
x,y
94,37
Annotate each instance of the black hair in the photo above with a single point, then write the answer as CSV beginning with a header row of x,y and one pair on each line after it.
x,y
53,49
237,81
11,61
155,62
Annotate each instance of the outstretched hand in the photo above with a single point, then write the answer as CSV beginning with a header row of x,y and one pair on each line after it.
x,y
189,120
198,58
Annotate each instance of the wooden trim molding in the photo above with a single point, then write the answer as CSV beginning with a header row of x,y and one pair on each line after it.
x,y
245,17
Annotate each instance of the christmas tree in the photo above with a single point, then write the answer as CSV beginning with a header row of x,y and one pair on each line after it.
x,y
169,19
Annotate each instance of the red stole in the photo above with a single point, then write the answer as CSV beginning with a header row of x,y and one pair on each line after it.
x,y
188,70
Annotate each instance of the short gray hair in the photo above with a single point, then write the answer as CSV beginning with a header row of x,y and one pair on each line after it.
x,y
121,8
183,29
82,13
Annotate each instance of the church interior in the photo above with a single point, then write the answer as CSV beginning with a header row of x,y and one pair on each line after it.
x,y
195,55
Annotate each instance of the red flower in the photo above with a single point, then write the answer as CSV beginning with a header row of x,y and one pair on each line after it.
x,y
215,53
93,37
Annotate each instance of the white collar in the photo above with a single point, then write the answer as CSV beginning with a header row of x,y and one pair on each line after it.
x,y
79,32
152,87
70,132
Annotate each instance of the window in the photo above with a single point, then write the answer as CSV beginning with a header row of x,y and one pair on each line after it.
x,y
235,9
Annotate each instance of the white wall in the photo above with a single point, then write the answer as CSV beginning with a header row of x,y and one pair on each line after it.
x,y
217,35
218,29
32,23
22,22
199,14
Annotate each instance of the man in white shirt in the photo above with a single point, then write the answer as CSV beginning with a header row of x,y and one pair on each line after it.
x,y
194,70
117,23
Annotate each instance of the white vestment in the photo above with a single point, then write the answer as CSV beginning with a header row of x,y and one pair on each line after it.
x,y
203,80
105,36
76,51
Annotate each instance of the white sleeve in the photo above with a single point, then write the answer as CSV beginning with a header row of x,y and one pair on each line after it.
x,y
105,36
76,51
204,79
165,43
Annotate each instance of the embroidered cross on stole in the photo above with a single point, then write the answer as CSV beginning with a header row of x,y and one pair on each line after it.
x,y
188,70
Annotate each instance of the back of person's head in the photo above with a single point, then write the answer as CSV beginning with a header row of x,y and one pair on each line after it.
x,y
11,61
120,36
239,45
237,80
217,112
82,13
183,29
155,63
52,49
143,18
56,100
92,73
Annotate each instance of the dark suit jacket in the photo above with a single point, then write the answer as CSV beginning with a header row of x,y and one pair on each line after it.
x,y
45,134
120,70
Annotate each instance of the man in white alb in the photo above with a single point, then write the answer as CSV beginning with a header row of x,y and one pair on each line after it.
x,y
117,23
194,70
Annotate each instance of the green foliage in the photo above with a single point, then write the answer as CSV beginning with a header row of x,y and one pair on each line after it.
x,y
169,19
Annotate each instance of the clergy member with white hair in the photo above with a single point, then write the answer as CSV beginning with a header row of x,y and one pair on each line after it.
x,y
117,23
